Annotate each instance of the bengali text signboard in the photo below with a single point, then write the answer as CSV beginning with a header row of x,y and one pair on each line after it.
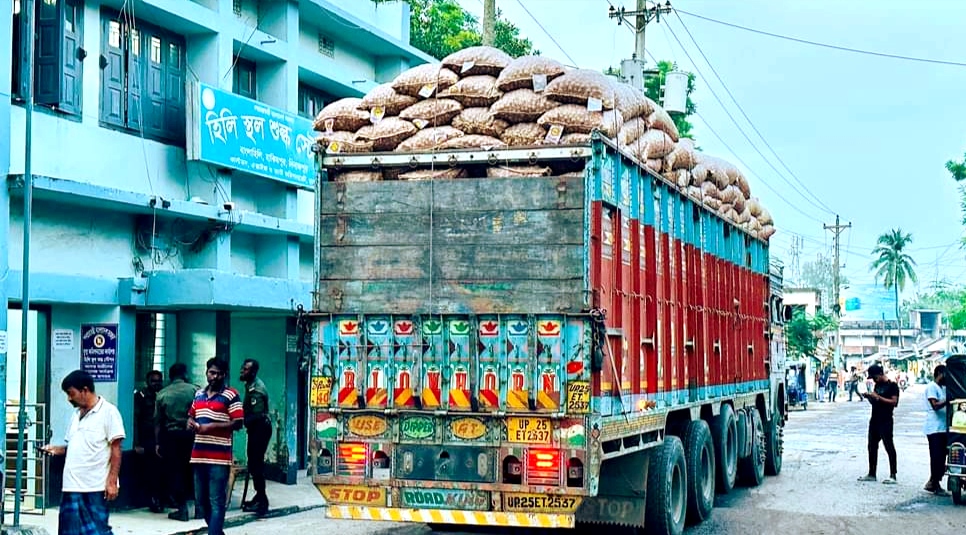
x,y
239,133
99,351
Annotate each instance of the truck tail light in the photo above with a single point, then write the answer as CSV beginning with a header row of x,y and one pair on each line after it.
x,y
543,467
352,459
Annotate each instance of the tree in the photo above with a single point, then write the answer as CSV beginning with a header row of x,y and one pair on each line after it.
x,y
893,266
441,27
957,169
802,334
950,300
820,274
653,89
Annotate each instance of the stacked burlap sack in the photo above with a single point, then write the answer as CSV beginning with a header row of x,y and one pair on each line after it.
x,y
481,98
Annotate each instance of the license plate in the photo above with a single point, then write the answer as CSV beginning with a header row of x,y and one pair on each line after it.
x,y
528,430
540,503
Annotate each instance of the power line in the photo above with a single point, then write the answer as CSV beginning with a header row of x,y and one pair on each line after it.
x,y
740,129
552,38
745,115
825,45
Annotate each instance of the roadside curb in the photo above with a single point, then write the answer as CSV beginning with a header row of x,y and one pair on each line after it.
x,y
248,518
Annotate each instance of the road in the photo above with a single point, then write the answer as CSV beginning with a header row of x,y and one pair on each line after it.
x,y
816,493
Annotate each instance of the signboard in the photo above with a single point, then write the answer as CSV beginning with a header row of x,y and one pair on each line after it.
x,y
99,351
467,500
231,131
63,339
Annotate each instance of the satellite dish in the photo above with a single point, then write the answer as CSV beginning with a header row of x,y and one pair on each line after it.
x,y
676,92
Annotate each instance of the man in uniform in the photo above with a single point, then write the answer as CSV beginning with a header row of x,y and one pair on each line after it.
x,y
259,427
173,437
145,440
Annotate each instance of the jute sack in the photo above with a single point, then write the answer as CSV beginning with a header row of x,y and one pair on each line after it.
x,y
656,165
432,112
474,91
660,120
631,131
424,80
743,185
387,134
385,97
517,172
654,144
765,217
434,174
630,102
523,135
341,116
479,121
429,139
575,139
342,142
357,176
522,106
576,119
683,156
579,86
473,142
754,206
766,232
477,60
519,74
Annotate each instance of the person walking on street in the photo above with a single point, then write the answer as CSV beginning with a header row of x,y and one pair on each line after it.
x,y
215,414
259,427
884,398
854,380
93,462
935,430
822,383
173,437
833,384
145,441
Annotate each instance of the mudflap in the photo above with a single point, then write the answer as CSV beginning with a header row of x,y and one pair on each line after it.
x,y
621,498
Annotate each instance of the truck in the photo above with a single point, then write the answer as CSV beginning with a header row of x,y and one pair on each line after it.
x,y
590,347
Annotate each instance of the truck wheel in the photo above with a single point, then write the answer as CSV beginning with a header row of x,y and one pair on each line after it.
x,y
699,458
774,445
955,485
751,469
667,494
724,431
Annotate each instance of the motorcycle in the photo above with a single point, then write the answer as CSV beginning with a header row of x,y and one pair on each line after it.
x,y
956,419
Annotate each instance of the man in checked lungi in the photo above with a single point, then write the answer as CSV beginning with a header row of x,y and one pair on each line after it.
x,y
93,461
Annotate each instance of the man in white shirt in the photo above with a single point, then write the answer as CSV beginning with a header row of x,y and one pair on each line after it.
x,y
93,461
935,430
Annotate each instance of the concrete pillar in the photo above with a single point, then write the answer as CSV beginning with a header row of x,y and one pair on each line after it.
x,y
125,372
294,405
6,51
196,342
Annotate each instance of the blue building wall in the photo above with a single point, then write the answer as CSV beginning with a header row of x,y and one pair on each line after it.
x,y
117,215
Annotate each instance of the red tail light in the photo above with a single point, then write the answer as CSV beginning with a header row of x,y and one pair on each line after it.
x,y
543,467
352,459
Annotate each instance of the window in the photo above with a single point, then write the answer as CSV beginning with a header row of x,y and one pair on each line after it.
x,y
244,78
58,55
326,46
142,79
312,100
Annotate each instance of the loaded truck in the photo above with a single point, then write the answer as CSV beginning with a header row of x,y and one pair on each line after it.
x,y
589,347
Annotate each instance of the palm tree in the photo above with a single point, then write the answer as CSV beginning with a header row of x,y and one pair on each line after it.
x,y
893,266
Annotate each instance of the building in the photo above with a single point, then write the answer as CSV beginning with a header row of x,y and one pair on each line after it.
x,y
808,300
156,234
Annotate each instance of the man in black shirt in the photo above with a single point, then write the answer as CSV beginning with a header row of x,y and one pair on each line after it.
x,y
884,399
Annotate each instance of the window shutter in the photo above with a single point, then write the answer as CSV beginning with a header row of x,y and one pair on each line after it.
x,y
20,31
174,110
72,82
49,53
136,42
112,73
152,97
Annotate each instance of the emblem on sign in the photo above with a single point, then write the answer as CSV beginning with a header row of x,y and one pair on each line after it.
x,y
468,428
367,425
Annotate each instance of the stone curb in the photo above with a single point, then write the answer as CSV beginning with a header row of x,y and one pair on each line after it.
x,y
247,518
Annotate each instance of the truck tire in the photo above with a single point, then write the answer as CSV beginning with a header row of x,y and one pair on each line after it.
x,y
699,458
751,469
667,494
774,445
724,431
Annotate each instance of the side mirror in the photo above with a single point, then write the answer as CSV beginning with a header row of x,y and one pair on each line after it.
x,y
787,313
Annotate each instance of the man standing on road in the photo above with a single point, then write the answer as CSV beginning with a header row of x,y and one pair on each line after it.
x,y
935,430
259,427
93,461
884,398
215,414
833,384
145,441
854,380
173,437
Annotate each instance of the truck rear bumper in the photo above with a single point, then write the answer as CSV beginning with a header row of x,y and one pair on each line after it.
x,y
449,516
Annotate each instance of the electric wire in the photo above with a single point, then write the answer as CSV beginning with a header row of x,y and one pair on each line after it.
x,y
552,38
825,45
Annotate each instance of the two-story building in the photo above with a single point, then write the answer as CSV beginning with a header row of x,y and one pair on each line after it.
x,y
172,215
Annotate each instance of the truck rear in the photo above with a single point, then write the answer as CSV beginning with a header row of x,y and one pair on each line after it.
x,y
591,346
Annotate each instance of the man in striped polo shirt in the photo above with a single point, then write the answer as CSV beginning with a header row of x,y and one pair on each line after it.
x,y
215,414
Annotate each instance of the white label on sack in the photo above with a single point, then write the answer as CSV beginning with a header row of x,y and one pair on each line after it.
x,y
420,123
539,82
554,134
329,123
377,114
467,65
427,90
595,104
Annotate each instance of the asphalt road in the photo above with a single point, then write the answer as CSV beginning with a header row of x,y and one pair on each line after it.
x,y
816,493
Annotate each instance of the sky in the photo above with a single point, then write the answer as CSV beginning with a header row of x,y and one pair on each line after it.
x,y
867,136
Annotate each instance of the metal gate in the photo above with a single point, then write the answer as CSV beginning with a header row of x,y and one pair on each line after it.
x,y
33,500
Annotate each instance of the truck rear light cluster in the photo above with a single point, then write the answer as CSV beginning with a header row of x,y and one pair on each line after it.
x,y
352,459
543,467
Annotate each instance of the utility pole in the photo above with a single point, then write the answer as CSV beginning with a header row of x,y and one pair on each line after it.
x,y
489,22
643,16
837,230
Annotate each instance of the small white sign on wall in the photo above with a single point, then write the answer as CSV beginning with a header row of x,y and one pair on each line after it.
x,y
3,342
63,339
